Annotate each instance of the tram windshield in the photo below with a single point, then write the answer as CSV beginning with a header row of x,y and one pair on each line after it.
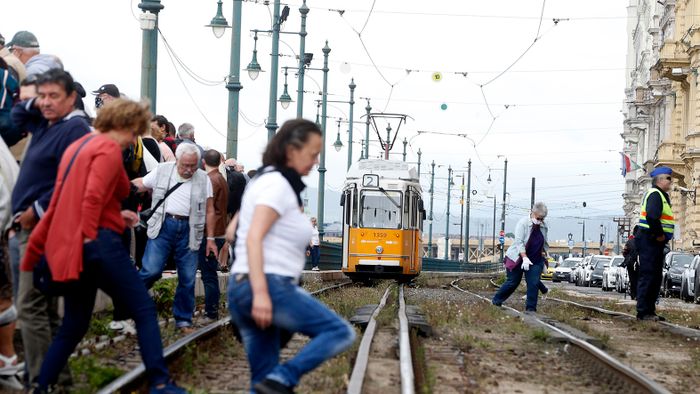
x,y
379,209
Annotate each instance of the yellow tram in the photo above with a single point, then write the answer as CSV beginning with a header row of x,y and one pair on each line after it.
x,y
382,221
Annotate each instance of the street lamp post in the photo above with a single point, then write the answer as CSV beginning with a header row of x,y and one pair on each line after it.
x,y
447,216
368,108
583,233
149,49
322,162
466,220
419,155
303,10
503,211
430,217
461,216
602,239
274,64
404,148
352,87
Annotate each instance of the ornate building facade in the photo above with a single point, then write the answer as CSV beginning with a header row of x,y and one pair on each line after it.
x,y
662,108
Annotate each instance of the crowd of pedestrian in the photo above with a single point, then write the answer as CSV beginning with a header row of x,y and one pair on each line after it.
x,y
108,202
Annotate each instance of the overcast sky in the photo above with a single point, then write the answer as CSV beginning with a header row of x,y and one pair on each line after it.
x,y
557,110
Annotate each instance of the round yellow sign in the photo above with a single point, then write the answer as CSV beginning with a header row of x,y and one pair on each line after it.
x,y
437,77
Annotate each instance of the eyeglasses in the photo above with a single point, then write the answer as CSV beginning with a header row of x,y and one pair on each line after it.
x,y
668,178
540,219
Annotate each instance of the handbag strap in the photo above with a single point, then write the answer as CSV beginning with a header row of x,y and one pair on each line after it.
x,y
153,210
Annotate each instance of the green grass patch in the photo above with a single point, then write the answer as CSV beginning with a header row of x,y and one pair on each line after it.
x,y
90,375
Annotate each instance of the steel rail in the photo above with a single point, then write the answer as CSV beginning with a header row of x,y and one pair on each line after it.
x,y
671,327
627,372
405,359
358,371
137,374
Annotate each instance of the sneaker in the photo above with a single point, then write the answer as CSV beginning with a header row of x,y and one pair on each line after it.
x,y
123,325
206,320
661,318
315,269
269,386
168,388
523,297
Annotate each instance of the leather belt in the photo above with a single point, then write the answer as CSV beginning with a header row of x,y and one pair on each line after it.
x,y
177,217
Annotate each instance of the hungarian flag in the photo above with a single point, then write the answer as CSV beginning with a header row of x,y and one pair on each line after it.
x,y
628,165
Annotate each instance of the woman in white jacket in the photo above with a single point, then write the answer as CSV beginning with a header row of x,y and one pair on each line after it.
x,y
526,256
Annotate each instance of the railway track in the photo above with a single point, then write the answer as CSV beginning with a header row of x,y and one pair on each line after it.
x,y
671,327
360,382
617,376
213,334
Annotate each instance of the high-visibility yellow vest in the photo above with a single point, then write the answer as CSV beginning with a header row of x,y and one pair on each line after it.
x,y
667,222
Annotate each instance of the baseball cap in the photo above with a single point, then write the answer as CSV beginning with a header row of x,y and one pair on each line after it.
x,y
109,88
24,39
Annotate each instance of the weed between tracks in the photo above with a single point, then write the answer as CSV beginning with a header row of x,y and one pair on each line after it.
x,y
89,375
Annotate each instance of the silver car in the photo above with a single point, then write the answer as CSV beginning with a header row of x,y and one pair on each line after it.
x,y
610,273
688,280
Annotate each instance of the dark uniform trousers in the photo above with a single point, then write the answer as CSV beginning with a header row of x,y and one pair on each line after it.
x,y
651,260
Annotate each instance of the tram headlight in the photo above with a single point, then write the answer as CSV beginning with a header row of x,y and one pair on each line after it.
x,y
379,249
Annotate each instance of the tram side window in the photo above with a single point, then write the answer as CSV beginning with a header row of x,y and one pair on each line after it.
x,y
414,211
381,209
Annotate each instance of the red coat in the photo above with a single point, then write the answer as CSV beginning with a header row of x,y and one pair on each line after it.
x,y
90,199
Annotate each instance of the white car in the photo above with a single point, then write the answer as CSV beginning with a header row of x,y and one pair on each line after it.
x,y
610,273
579,271
564,270
688,280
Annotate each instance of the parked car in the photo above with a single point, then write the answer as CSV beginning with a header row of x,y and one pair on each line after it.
x,y
599,264
548,271
563,271
584,275
688,280
610,273
674,265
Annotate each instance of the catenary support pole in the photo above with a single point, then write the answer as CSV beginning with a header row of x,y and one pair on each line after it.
x,y
430,214
503,210
234,82
303,10
447,215
274,65
466,220
149,54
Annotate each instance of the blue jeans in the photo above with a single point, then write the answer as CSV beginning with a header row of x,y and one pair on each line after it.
x,y
315,255
513,278
174,237
294,310
13,250
107,266
210,279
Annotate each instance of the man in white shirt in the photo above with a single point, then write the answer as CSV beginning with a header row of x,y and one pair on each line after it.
x,y
315,246
177,226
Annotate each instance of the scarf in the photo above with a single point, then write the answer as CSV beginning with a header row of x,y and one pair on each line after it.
x,y
292,177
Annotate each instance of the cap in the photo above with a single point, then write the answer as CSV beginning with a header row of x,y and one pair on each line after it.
x,y
24,39
109,88
661,171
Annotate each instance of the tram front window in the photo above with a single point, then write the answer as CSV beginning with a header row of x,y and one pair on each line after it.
x,y
381,209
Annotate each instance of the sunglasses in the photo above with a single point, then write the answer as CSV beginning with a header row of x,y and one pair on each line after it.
x,y
540,219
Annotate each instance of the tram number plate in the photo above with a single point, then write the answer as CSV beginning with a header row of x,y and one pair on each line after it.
x,y
379,235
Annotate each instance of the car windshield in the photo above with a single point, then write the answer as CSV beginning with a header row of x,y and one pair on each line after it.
x,y
599,264
569,263
379,209
617,261
679,260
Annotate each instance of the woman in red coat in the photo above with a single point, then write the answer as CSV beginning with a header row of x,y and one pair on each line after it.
x,y
80,235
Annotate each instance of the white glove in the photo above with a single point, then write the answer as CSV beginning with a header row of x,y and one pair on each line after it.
x,y
526,263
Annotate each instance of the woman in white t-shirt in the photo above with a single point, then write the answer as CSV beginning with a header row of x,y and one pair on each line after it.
x,y
271,236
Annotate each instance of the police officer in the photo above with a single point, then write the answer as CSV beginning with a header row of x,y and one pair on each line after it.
x,y
655,230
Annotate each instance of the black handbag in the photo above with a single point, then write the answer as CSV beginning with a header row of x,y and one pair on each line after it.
x,y
43,279
145,215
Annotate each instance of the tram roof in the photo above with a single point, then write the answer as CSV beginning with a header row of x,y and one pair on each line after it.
x,y
385,168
